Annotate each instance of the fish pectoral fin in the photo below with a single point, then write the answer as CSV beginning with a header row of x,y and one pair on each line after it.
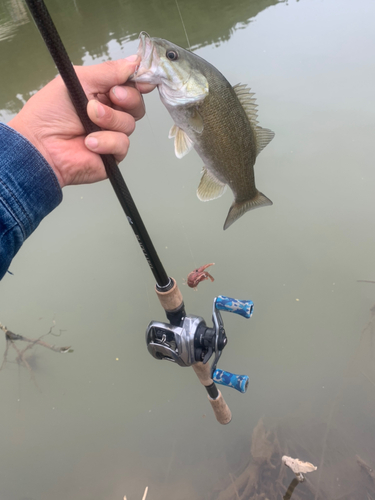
x,y
195,121
182,142
239,208
210,187
173,131
263,137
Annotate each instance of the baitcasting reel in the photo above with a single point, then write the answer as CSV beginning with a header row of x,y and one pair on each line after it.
x,y
194,341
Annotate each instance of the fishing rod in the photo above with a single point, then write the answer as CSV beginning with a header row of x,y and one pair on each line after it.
x,y
79,99
186,340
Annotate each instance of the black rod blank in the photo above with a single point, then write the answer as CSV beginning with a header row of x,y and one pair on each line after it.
x,y
57,50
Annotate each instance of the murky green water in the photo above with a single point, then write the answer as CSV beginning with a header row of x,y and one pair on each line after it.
x,y
109,420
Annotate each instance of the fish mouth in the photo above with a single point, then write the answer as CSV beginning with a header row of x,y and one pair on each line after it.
x,y
145,52
177,83
145,48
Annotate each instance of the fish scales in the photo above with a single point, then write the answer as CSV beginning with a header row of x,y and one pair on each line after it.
x,y
227,143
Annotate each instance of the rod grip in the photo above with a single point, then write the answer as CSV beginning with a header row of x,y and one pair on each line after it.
x,y
172,299
221,409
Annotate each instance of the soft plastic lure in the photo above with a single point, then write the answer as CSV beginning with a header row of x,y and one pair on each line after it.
x,y
198,275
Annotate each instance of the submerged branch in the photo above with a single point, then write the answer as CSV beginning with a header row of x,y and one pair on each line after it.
x,y
10,336
365,467
13,338
144,495
288,495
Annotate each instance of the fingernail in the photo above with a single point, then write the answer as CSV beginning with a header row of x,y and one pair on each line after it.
x,y
99,109
120,92
91,142
132,58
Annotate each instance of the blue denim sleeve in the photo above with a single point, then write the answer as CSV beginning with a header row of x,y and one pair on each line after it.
x,y
29,190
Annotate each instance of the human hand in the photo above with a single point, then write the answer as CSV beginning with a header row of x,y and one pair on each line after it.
x,y
49,120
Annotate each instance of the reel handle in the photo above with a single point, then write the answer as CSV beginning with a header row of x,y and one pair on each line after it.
x,y
244,308
238,382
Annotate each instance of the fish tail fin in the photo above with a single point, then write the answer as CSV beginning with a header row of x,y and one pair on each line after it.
x,y
239,208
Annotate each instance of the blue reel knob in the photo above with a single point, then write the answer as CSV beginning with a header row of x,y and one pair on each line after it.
x,y
244,308
238,382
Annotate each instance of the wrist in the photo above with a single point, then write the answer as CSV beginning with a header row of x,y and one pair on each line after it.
x,y
26,131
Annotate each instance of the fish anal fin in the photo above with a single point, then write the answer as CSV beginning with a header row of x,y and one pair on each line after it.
x,y
182,142
239,208
210,187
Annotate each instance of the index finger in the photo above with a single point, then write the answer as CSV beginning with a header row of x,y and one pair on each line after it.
x,y
100,78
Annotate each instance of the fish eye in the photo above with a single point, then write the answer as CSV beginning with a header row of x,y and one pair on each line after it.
x,y
172,55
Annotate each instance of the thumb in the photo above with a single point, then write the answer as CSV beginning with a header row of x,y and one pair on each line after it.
x,y
100,78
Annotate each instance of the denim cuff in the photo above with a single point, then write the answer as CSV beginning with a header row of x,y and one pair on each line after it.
x,y
29,190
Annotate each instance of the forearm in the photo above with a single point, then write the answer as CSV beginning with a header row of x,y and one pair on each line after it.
x,y
29,190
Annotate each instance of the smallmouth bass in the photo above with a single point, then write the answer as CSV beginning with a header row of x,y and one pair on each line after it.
x,y
218,120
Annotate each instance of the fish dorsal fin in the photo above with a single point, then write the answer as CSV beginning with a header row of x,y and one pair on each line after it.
x,y
264,136
182,142
248,102
210,187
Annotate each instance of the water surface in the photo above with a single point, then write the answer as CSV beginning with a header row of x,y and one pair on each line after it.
x,y
108,420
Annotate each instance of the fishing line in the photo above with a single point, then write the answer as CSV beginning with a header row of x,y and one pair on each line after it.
x,y
189,247
150,124
79,99
136,84
183,25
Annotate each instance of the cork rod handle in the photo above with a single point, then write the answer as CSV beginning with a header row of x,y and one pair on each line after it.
x,y
220,407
